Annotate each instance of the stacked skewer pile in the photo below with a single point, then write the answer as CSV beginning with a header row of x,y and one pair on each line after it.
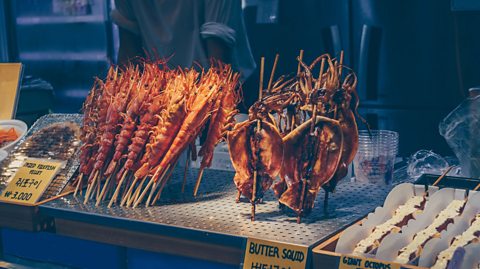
x,y
138,122
302,130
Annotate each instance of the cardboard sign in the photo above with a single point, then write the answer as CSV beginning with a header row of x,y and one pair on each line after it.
x,y
351,262
10,78
30,181
262,254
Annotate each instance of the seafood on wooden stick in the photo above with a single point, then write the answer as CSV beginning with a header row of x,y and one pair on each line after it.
x,y
256,151
314,121
309,161
222,119
139,121
198,110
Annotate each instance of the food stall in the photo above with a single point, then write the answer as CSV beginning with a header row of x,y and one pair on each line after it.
x,y
160,169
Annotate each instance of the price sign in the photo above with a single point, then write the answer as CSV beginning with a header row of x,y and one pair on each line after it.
x,y
351,262
262,254
30,181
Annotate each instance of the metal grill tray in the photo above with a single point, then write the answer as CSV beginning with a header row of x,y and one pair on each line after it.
x,y
61,180
214,215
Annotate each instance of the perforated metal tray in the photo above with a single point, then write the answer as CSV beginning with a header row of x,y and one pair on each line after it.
x,y
10,165
214,213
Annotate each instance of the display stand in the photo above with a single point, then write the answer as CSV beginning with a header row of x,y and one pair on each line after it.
x,y
27,217
324,255
212,226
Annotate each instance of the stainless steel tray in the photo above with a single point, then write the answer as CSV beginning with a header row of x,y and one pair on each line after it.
x,y
214,215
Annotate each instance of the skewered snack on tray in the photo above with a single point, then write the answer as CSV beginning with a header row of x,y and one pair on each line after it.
x,y
400,218
470,236
404,203
138,122
413,250
53,136
306,126
444,225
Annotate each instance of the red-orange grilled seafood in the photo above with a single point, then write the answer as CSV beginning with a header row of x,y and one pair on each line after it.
x,y
138,122
315,118
251,149
309,162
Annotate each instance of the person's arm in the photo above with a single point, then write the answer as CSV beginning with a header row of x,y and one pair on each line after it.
x,y
130,46
128,30
218,49
217,30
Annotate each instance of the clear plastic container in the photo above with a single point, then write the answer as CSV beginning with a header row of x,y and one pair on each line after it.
x,y
375,157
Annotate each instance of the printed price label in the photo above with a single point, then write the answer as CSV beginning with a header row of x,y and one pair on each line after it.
x,y
351,262
262,254
30,181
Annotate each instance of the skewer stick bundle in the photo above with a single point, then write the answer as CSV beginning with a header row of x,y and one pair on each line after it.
x,y
79,183
117,190
135,119
257,130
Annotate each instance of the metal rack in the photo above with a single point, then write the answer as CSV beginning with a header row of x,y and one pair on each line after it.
x,y
213,218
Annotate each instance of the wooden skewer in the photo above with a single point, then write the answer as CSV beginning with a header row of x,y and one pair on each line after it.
x,y
111,184
302,199
260,84
106,185
154,187
97,190
127,195
90,187
255,174
138,199
168,175
259,125
128,183
312,128
117,190
341,65
197,184
318,84
79,182
160,179
110,190
314,112
137,192
300,57
272,74
159,193
442,176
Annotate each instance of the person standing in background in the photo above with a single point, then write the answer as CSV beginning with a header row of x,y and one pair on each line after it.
x,y
184,31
